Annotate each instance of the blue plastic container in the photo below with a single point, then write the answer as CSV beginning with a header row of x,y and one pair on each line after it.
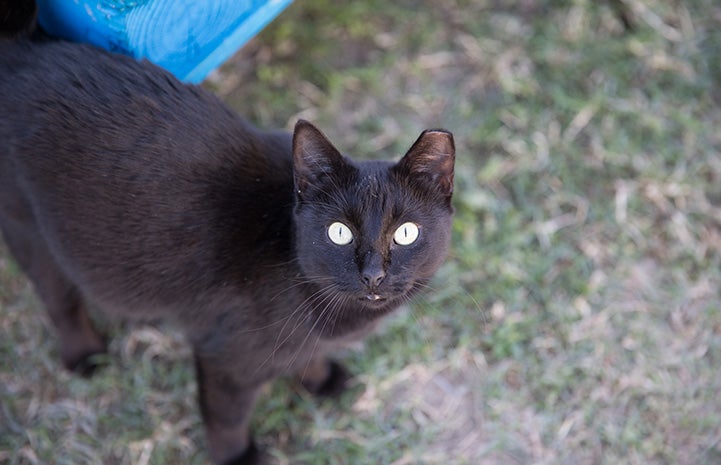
x,y
189,38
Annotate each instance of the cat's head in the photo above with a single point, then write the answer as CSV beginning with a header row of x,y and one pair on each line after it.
x,y
373,232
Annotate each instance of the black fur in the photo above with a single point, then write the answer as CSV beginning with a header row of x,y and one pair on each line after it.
x,y
123,188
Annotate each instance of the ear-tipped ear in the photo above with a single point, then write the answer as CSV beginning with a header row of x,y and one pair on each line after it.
x,y
431,160
314,157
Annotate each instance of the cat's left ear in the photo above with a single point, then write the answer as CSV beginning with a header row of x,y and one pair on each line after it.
x,y
314,157
431,161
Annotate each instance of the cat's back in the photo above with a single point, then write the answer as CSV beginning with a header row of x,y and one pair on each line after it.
x,y
95,113
73,104
124,167
112,100
72,112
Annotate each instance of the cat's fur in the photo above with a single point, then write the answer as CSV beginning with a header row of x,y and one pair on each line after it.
x,y
123,188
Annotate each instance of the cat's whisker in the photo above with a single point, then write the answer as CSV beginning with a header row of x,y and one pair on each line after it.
x,y
330,309
320,333
328,305
411,310
300,282
474,363
260,328
339,313
476,305
307,303
317,299
282,264
287,317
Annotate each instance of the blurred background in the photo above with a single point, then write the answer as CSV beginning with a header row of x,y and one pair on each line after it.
x,y
578,319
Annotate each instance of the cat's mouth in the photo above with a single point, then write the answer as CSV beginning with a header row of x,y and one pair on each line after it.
x,y
373,300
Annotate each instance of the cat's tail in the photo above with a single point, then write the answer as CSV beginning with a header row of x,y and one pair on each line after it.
x,y
18,18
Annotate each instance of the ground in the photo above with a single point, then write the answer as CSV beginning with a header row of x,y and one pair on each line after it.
x,y
578,319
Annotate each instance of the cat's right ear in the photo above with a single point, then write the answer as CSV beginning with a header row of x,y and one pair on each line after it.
x,y
430,161
314,158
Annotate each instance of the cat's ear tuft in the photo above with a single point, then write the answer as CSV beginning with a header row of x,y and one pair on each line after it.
x,y
314,157
431,160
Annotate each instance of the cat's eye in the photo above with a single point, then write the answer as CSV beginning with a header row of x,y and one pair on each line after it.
x,y
406,234
339,233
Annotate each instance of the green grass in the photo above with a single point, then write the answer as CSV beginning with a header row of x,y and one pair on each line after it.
x,y
578,319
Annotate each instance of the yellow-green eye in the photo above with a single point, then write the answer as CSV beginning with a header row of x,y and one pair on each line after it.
x,y
406,234
339,233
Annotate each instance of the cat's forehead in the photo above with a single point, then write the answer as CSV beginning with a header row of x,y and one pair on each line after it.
x,y
376,195
374,184
370,194
373,174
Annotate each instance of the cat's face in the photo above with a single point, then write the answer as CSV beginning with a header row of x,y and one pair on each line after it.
x,y
372,232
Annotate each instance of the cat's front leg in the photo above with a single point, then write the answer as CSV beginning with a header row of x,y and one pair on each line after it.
x,y
324,377
226,403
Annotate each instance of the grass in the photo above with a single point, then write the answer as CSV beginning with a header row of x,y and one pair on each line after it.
x,y
578,320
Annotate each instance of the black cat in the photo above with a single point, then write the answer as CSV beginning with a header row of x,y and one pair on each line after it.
x,y
123,188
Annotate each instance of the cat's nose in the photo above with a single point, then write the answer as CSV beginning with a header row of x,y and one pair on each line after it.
x,y
373,277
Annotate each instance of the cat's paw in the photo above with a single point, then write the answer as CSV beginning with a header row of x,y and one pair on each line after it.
x,y
85,364
334,384
251,456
